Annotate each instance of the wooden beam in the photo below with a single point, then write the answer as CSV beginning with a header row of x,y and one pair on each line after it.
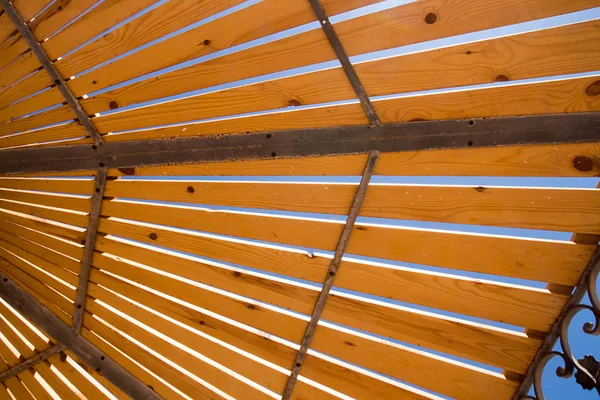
x,y
331,273
40,316
31,362
88,251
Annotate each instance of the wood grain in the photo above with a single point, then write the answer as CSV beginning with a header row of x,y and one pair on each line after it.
x,y
62,132
60,114
71,186
58,201
43,226
476,342
55,215
506,256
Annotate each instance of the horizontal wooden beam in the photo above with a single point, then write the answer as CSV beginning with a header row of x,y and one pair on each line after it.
x,y
43,318
412,136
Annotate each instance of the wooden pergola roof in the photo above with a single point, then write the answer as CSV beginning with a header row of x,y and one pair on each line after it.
x,y
232,199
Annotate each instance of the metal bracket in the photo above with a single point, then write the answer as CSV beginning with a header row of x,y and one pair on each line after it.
x,y
336,43
560,331
25,365
88,252
331,273
52,71
43,318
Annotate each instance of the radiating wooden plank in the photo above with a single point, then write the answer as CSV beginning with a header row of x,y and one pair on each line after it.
x,y
61,388
471,382
360,36
53,18
49,298
14,244
11,51
101,342
41,212
56,115
550,209
21,90
569,210
507,256
548,160
182,382
256,21
502,303
42,240
86,388
50,96
34,386
28,9
44,226
351,114
6,27
17,388
325,86
247,367
495,347
332,85
4,393
59,287
71,186
542,98
62,132
58,201
39,343
452,378
99,378
15,341
557,51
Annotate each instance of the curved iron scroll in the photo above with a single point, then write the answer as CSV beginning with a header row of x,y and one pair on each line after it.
x,y
586,369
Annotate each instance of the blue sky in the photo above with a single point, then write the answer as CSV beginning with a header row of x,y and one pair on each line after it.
x,y
555,388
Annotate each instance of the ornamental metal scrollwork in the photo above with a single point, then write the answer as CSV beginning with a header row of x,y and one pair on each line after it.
x,y
586,369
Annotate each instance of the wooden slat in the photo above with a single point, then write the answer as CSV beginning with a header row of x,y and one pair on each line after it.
x,y
53,18
34,386
99,378
15,341
506,256
43,226
9,52
258,373
39,343
470,382
550,209
18,247
39,240
63,391
558,51
180,381
80,382
325,86
56,115
62,132
495,347
256,21
45,279
547,160
543,98
18,390
6,27
40,212
346,115
332,85
4,393
503,303
52,300
359,35
29,8
58,201
50,96
71,186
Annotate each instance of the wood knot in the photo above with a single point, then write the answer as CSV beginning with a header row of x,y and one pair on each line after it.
x,y
431,18
501,78
113,105
294,103
127,171
593,89
190,189
480,189
153,236
206,42
349,343
583,163
237,274
250,307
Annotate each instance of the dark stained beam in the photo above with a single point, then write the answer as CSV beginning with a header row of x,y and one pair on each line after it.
x,y
411,136
44,319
